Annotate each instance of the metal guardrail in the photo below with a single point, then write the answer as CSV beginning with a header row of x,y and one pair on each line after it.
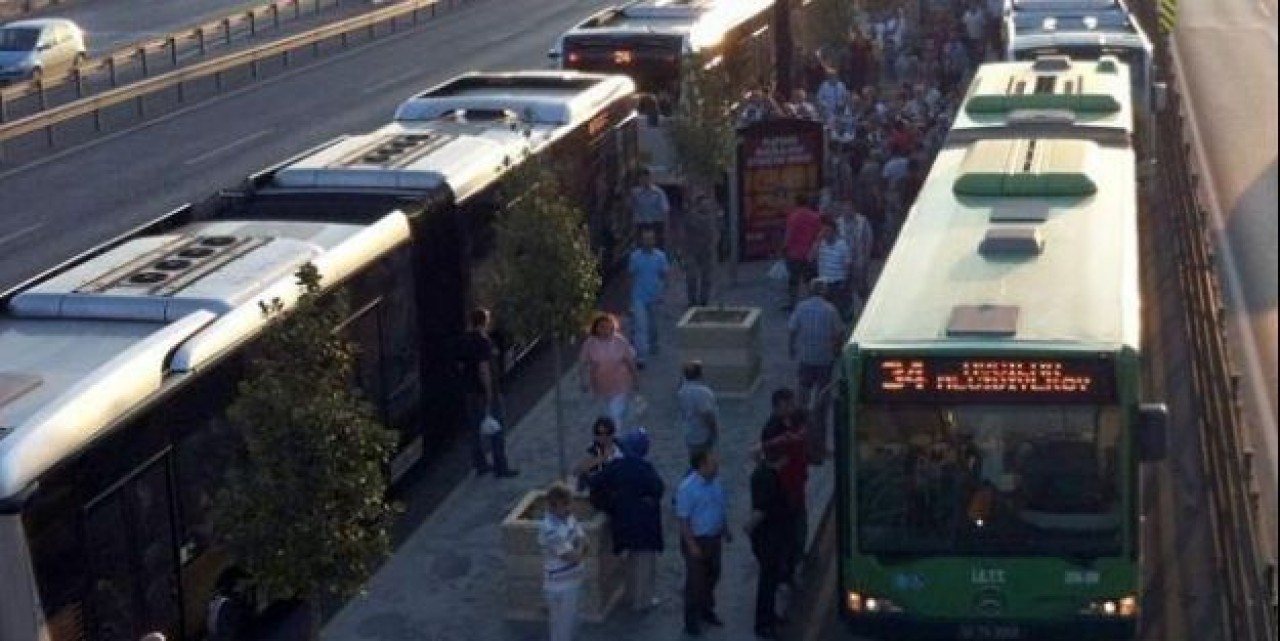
x,y
415,10
1245,574
169,48
1247,577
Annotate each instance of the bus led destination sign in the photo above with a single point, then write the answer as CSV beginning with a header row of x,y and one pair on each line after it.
x,y
993,380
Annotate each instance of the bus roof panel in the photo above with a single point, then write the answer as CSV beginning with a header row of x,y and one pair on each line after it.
x,y
1080,292
534,97
447,154
701,21
1092,95
83,363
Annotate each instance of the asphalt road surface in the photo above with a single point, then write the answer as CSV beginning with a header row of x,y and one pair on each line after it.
x,y
1227,53
112,24
70,201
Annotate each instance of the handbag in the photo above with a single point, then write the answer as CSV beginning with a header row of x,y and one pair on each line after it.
x,y
778,271
490,426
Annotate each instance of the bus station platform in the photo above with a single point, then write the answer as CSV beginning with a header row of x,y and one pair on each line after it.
x,y
446,580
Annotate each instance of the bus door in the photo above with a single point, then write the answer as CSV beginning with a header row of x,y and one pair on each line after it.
x,y
132,568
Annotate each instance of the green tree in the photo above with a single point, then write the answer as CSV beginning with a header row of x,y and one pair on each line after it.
x,y
544,280
702,131
828,24
304,511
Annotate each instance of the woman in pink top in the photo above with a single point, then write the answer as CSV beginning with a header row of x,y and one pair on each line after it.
x,y
608,367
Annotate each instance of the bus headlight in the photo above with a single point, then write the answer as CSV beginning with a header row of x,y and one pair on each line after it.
x,y
1124,608
860,603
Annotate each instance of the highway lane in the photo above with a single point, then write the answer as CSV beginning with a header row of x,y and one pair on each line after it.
x,y
73,200
112,24
1227,53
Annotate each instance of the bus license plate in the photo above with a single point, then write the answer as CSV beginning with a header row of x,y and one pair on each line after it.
x,y
983,631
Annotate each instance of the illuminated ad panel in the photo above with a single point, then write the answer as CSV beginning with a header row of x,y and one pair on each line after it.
x,y
944,380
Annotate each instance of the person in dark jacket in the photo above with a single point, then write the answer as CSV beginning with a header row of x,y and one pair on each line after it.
x,y
635,493
770,533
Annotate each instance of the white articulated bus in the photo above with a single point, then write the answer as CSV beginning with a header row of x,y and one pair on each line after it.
x,y
652,40
114,377
116,370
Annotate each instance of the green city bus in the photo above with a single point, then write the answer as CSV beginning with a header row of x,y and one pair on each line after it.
x,y
990,424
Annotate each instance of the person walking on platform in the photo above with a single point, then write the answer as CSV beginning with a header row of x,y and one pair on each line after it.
x,y
607,368
769,533
648,269
634,495
702,507
698,414
700,237
650,208
801,232
563,543
816,334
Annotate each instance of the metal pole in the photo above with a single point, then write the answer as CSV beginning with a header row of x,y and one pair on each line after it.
x,y
734,212
561,455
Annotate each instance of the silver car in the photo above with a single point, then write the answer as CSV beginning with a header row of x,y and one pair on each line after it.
x,y
33,49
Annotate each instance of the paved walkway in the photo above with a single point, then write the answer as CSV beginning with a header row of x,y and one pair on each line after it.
x,y
446,583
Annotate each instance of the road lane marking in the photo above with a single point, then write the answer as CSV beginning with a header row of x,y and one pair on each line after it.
x,y
1257,379
227,147
12,236
390,82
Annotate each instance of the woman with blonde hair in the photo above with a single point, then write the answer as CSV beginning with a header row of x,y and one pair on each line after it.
x,y
608,368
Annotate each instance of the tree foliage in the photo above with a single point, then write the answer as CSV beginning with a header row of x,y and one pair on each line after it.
x,y
305,512
828,24
702,131
545,279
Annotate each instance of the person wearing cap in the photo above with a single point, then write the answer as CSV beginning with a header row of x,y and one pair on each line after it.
x,y
635,494
816,334
769,532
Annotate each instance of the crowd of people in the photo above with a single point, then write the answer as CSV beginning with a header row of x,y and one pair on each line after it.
x,y
886,103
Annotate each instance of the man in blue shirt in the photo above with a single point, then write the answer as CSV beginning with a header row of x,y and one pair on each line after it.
x,y
647,266
702,507
650,208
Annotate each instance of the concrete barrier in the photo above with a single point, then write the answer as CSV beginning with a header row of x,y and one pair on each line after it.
x,y
522,556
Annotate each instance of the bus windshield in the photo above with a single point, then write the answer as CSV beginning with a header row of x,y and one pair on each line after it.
x,y
989,479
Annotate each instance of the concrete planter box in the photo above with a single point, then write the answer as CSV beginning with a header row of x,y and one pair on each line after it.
x,y
604,581
727,341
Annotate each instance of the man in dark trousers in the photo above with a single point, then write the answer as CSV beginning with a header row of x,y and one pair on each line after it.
x,y
770,533
634,490
701,506
787,431
476,353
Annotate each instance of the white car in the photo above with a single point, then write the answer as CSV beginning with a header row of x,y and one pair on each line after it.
x,y
32,49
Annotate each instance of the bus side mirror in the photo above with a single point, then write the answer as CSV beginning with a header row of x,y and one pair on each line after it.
x,y
1160,96
1153,432
553,55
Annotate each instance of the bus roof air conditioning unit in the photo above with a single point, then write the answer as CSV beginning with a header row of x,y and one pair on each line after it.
x,y
163,278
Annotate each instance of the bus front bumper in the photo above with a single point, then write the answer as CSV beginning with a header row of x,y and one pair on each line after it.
x,y
909,628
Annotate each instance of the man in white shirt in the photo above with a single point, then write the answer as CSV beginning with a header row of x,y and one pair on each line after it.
x,y
835,261
563,543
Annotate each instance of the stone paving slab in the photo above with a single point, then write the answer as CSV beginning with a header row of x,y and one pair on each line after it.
x,y
446,582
